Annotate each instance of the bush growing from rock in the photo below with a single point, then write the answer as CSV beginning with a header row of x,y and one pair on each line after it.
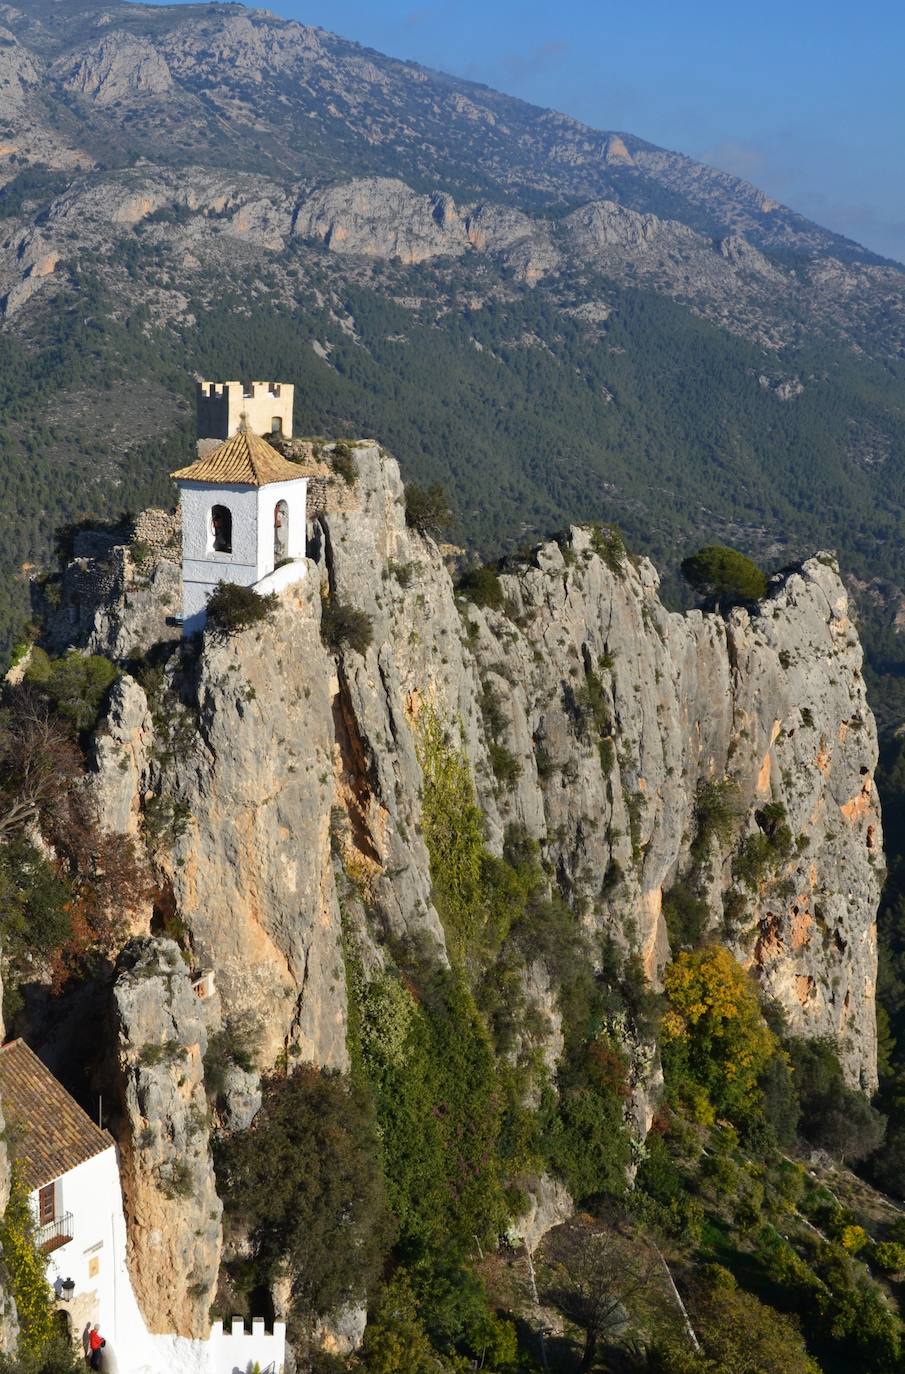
x,y
427,509
232,608
888,1256
305,1179
74,685
345,627
724,576
835,1117
343,463
482,587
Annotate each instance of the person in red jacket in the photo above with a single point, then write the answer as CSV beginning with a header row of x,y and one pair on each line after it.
x,y
96,1344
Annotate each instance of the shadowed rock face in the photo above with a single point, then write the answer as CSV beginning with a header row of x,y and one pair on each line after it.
x,y
285,743
169,1196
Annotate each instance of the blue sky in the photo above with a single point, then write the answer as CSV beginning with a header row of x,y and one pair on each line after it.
x,y
807,100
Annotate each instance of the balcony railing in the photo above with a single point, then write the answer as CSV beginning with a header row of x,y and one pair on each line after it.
x,y
53,1234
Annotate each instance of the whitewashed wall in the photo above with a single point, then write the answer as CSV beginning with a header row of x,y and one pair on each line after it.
x,y
295,495
91,1192
252,556
202,567
236,1350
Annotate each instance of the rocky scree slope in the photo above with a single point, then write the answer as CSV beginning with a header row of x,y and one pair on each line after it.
x,y
276,785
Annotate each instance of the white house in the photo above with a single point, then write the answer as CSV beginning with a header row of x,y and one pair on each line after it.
x,y
69,1166
243,520
71,1170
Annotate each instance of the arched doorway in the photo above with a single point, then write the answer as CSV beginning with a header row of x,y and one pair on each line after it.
x,y
221,529
280,531
63,1324
276,424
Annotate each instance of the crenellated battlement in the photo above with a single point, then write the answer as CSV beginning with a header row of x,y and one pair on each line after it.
x,y
266,408
234,1349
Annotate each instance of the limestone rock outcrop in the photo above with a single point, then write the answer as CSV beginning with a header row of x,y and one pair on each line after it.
x,y
17,71
122,66
121,757
617,716
380,217
251,871
170,1200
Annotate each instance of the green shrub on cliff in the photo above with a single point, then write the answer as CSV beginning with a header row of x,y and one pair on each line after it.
x,y
231,609
482,587
305,1182
454,834
345,627
427,509
584,1137
833,1116
724,576
74,685
35,903
430,1065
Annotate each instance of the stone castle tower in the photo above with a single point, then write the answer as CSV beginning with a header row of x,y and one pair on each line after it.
x,y
221,407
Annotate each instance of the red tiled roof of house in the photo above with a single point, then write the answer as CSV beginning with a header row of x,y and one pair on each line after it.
x,y
50,1134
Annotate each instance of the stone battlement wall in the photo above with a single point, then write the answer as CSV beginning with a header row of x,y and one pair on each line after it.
x,y
221,405
329,495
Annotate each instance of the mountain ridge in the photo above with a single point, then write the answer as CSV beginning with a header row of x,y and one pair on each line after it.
x,y
588,147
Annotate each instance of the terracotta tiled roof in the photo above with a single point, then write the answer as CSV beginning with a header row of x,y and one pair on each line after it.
x,y
244,460
51,1133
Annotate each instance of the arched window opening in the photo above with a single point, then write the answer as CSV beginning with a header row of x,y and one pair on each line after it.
x,y
222,529
276,425
280,531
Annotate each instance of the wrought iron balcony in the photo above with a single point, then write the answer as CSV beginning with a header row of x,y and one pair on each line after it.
x,y
53,1234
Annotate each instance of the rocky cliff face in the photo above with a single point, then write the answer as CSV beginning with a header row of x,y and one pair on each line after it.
x,y
617,721
171,1204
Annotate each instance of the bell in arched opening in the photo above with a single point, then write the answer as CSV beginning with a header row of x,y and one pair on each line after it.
x,y
280,531
221,529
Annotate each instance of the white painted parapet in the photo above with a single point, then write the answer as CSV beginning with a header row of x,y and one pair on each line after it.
x,y
237,1351
282,577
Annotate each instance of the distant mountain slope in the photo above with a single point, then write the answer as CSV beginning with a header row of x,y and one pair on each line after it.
x,y
245,89
560,323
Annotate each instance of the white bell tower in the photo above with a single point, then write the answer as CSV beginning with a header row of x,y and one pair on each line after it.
x,y
243,517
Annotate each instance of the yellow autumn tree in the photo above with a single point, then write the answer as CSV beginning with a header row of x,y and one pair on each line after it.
x,y
713,1034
